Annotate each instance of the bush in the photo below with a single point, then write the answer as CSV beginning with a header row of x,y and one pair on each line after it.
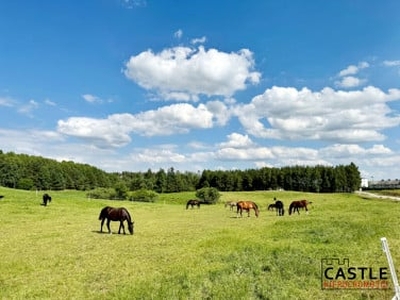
x,y
143,195
208,195
102,193
25,184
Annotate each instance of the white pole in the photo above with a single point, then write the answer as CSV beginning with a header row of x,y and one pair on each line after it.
x,y
385,248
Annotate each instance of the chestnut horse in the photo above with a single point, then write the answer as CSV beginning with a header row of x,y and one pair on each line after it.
x,y
246,205
296,205
120,214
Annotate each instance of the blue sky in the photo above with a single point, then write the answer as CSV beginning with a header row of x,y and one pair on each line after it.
x,y
129,85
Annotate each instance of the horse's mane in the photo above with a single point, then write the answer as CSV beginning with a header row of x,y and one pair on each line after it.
x,y
256,208
127,212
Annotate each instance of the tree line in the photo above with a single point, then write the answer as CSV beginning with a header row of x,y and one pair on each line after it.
x,y
28,172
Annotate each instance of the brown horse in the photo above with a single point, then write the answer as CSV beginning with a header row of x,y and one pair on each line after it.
x,y
231,204
296,205
120,214
246,205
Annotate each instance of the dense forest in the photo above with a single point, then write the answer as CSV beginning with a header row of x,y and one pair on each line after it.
x,y
27,172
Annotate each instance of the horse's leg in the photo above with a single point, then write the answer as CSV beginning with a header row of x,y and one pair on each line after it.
x,y
239,210
121,224
108,226
102,222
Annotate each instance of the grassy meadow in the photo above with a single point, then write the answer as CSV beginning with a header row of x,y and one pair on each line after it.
x,y
57,252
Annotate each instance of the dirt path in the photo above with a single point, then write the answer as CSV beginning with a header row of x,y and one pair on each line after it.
x,y
372,195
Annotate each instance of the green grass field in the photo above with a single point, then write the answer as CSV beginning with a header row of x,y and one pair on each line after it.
x,y
57,252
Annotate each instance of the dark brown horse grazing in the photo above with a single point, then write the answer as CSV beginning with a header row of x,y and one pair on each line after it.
x,y
46,198
193,203
246,205
120,214
296,205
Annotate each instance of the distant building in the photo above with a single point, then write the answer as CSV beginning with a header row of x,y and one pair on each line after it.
x,y
364,183
383,184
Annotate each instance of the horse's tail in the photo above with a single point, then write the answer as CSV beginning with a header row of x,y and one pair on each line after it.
x,y
103,213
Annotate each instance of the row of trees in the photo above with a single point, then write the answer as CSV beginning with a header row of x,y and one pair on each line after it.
x,y
32,172
342,178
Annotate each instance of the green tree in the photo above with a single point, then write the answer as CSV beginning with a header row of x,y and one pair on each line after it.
x,y
143,195
121,191
208,195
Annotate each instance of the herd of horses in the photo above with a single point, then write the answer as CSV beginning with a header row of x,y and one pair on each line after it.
x,y
247,206
121,214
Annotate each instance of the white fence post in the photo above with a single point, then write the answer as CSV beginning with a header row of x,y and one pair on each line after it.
x,y
385,248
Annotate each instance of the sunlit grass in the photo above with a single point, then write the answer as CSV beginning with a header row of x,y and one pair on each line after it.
x,y
57,252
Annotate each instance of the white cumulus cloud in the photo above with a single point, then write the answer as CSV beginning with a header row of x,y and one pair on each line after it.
x,y
341,116
193,71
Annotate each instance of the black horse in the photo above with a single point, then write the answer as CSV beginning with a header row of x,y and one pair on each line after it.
x,y
280,211
46,198
120,214
193,203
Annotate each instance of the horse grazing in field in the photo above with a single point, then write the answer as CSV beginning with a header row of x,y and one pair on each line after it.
x,y
120,214
231,204
278,206
193,203
247,206
280,211
272,207
296,205
46,198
